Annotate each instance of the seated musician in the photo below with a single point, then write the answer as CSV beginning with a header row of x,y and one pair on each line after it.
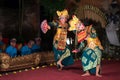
x,y
11,49
27,49
36,47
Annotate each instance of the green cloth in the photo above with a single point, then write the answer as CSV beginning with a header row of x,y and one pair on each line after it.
x,y
91,58
65,55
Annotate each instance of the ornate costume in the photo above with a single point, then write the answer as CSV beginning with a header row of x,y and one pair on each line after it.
x,y
60,48
91,54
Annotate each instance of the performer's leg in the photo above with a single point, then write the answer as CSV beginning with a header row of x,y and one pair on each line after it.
x,y
59,64
66,54
97,71
86,73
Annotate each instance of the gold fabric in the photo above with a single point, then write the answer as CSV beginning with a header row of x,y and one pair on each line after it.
x,y
61,37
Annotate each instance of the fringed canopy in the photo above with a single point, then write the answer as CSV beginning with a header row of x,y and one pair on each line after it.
x,y
91,12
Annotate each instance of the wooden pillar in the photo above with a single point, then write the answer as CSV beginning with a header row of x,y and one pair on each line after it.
x,y
38,17
21,4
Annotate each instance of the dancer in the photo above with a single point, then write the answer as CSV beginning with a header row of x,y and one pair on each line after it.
x,y
62,52
91,57
91,54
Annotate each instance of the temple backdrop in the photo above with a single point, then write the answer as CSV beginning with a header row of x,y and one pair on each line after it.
x,y
22,18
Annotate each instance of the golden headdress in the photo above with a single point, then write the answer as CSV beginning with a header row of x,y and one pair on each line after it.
x,y
63,13
73,23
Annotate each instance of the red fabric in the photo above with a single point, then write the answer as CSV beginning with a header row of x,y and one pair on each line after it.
x,y
16,46
5,40
81,36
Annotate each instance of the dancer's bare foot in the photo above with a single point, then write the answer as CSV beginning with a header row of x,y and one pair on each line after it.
x,y
98,75
86,74
60,66
59,63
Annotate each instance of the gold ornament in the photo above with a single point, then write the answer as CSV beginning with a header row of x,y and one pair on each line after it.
x,y
63,13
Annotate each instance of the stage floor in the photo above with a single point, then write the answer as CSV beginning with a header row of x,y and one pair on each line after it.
x,y
110,71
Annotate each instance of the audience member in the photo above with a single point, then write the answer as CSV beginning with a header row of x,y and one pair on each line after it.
x,y
1,43
11,49
26,49
36,47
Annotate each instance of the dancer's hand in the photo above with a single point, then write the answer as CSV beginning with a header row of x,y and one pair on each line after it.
x,y
75,51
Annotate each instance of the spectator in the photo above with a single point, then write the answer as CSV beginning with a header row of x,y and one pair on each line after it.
x,y
11,50
36,47
26,49
1,43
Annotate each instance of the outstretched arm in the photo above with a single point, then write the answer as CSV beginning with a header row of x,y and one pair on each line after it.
x,y
81,46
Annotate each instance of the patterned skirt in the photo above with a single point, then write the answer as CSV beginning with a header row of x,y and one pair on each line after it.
x,y
90,59
65,55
